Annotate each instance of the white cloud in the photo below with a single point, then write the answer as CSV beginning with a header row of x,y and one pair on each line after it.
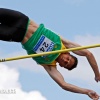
x,y
90,40
27,63
9,81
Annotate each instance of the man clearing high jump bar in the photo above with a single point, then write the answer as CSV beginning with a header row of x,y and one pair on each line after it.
x,y
17,27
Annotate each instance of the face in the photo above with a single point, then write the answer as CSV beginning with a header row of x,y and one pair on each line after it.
x,y
66,60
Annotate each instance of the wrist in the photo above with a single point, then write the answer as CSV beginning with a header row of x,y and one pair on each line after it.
x,y
87,91
97,75
96,72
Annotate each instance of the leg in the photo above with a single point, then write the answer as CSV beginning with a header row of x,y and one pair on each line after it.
x,y
12,25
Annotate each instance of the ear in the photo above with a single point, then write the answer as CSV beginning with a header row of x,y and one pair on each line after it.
x,y
68,52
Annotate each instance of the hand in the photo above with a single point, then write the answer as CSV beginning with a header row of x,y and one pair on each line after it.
x,y
97,78
93,95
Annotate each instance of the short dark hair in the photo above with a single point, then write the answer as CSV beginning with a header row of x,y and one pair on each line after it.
x,y
75,63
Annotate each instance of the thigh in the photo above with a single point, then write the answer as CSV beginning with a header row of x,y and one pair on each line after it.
x,y
10,17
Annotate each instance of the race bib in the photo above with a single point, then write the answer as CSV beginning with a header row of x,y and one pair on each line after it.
x,y
44,44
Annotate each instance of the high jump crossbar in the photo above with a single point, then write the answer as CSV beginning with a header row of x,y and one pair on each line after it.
x,y
52,52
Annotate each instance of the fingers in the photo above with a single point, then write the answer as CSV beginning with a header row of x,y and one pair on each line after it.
x,y
97,79
94,95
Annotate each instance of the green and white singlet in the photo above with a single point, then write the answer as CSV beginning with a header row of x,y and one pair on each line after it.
x,y
43,40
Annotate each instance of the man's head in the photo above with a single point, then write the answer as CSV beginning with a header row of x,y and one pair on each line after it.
x,y
67,61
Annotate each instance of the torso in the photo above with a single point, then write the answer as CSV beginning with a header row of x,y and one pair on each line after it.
x,y
32,27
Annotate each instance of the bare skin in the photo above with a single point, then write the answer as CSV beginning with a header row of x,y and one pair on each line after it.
x,y
65,60
31,29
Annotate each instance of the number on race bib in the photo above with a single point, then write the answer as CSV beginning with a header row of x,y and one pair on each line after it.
x,y
44,44
42,49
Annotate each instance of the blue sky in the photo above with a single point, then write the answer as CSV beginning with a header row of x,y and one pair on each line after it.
x,y
75,20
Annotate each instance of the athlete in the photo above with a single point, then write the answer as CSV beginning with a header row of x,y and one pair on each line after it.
x,y
17,27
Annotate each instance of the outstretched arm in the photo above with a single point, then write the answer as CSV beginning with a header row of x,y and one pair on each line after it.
x,y
85,53
58,78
